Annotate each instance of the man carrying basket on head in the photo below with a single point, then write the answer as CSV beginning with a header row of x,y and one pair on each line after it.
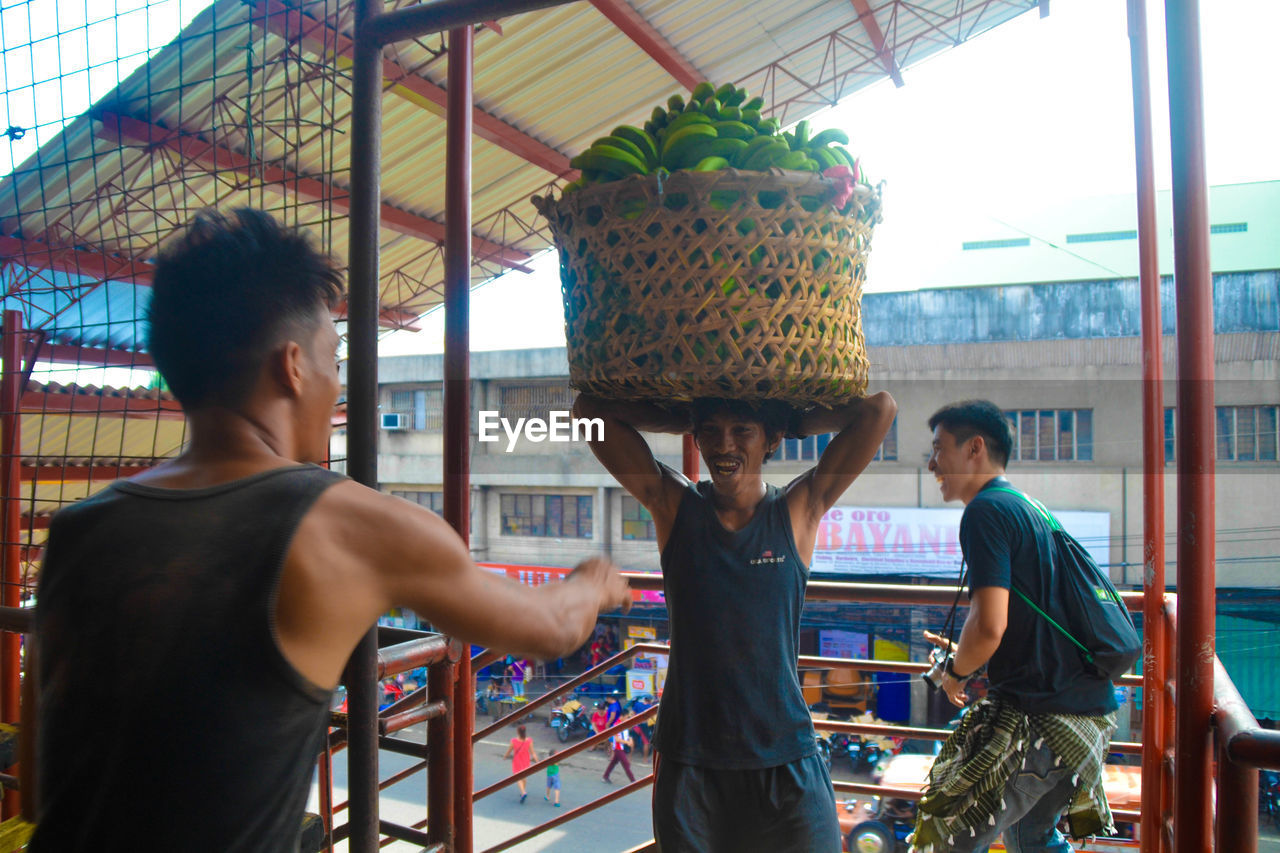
x,y
738,767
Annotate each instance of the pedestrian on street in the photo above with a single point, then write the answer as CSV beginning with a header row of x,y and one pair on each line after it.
x,y
553,781
516,671
522,757
599,722
621,743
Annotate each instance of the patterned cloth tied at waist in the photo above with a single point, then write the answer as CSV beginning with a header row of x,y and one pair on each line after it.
x,y
969,776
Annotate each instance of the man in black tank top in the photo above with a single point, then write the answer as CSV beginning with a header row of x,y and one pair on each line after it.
x,y
737,765
193,621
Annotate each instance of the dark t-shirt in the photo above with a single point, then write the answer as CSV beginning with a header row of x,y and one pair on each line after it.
x,y
170,718
1035,666
732,698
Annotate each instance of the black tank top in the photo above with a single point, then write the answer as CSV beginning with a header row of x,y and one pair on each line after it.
x,y
169,718
732,698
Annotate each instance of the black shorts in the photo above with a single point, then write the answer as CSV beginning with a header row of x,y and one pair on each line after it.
x,y
790,808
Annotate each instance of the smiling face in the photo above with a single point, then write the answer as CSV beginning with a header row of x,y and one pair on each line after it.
x,y
734,449
960,465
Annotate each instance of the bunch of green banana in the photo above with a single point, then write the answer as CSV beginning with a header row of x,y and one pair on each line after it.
x,y
717,128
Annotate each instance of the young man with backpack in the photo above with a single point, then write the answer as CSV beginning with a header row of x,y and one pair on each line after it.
x,y
1034,747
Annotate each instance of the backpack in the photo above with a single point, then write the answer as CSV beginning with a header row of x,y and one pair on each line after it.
x,y
1098,623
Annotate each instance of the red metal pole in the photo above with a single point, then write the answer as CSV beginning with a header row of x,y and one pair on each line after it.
x,y
689,458
11,575
457,402
1153,660
1195,433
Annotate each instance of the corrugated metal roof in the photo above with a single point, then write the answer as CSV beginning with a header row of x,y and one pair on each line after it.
x,y
563,76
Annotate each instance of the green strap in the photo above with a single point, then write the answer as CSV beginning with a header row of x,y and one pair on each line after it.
x,y
1035,504
1053,523
1088,655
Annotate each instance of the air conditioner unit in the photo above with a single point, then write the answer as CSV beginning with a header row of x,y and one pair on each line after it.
x,y
394,420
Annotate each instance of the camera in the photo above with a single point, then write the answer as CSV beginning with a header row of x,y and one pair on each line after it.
x,y
939,659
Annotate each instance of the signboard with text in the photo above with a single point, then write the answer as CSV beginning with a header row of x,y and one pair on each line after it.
x,y
926,542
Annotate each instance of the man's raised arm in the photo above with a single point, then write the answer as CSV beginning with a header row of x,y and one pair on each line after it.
x,y
860,426
626,455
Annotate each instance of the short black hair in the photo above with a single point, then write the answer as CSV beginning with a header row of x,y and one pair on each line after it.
x,y
773,415
968,418
225,294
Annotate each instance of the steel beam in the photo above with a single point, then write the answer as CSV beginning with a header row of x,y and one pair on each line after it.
x,y
1154,665
437,16
127,130
635,27
362,408
457,379
13,344
1193,809
869,23
323,40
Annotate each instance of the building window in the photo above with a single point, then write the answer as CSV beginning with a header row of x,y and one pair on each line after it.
x,y
1102,236
534,401
1012,243
433,501
637,524
1246,433
809,448
1240,433
555,516
1049,435
1229,228
423,407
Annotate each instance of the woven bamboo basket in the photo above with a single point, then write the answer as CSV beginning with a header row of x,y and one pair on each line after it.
x,y
743,285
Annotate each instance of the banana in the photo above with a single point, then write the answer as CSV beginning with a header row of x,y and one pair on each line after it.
x,y
726,147
790,160
790,139
615,162
828,136
647,144
768,125
711,164
802,134
825,158
685,119
711,108
659,117
844,155
756,103
764,156
703,91
739,95
675,104
677,145
725,92
751,117
733,130
622,145
753,146
730,114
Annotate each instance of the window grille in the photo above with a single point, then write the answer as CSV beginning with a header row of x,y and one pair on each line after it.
x,y
1052,435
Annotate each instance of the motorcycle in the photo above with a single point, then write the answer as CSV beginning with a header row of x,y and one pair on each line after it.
x,y
1269,795
850,746
569,719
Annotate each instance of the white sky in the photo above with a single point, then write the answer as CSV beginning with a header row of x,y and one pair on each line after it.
x,y
1034,112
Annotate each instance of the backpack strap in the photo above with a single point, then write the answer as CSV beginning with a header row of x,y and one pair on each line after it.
x,y
1055,526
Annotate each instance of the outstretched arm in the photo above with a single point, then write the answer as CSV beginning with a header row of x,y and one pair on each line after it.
x,y
626,455
358,553
860,426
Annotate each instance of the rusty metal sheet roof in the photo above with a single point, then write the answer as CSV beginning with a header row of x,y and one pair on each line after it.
x,y
249,106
